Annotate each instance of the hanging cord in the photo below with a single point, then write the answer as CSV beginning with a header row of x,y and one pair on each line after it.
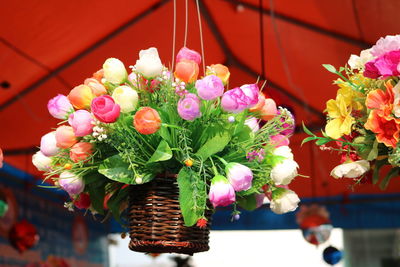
x,y
201,38
174,38
186,22
262,39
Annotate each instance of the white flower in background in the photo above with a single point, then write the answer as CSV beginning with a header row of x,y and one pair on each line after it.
x,y
351,170
284,172
252,123
48,144
126,97
114,71
358,62
283,151
283,201
149,63
41,162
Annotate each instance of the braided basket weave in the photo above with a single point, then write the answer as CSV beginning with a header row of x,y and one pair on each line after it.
x,y
156,223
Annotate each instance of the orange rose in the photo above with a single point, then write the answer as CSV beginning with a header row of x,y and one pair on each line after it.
x,y
80,151
98,75
81,96
268,111
65,137
220,71
260,104
147,121
98,88
187,71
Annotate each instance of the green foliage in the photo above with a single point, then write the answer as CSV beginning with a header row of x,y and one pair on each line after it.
x,y
214,145
192,195
247,202
162,153
330,68
392,173
116,169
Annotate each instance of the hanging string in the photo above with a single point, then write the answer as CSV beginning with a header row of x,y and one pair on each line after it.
x,y
186,22
201,38
174,37
262,39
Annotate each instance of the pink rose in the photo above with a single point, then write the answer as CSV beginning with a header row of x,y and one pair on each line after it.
x,y
210,87
234,101
59,107
1,158
81,122
279,140
221,192
188,54
65,137
189,107
252,92
105,109
81,151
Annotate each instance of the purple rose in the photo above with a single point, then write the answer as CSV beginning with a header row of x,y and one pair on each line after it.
x,y
210,87
239,176
82,122
59,107
189,107
221,192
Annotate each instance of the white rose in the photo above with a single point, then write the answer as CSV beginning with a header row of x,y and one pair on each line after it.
x,y
285,201
351,170
41,162
149,63
284,172
283,151
252,123
114,71
358,62
126,98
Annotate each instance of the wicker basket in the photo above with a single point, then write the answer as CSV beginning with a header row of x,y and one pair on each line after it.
x,y
156,223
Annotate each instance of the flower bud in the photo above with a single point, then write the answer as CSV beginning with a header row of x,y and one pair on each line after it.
x,y
283,151
220,71
188,54
81,151
239,176
221,192
41,162
149,63
82,122
283,201
59,107
71,183
48,144
351,169
65,136
210,87
283,173
269,110
98,88
105,109
81,96
114,71
186,71
147,121
189,107
126,98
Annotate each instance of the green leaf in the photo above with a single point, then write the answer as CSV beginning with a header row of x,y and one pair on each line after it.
x,y
162,153
330,68
245,134
192,195
308,139
116,169
378,166
306,130
322,141
374,151
214,145
97,194
248,203
115,202
93,177
392,173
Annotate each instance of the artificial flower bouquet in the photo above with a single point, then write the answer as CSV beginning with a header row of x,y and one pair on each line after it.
x,y
121,129
363,122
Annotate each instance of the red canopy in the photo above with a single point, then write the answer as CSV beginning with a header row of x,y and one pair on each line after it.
x,y
48,47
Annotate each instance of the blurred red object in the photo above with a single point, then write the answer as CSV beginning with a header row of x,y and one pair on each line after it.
x,y
23,236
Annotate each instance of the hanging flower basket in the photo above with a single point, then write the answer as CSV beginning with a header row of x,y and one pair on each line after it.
x,y
120,131
156,222
364,118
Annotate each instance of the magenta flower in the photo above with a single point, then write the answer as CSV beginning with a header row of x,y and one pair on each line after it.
x,y
252,92
279,140
371,71
105,109
82,122
188,54
385,65
239,176
210,87
71,183
221,192
288,125
59,107
189,107
234,101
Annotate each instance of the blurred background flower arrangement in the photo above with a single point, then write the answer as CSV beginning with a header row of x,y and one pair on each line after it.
x,y
119,129
363,122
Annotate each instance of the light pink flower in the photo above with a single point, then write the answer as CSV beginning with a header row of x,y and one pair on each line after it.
x,y
71,183
239,176
59,107
81,122
48,144
221,192
234,101
188,54
386,44
189,107
65,137
210,87
279,140
252,92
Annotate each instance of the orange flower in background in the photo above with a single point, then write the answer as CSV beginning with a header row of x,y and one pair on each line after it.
x,y
386,128
81,151
81,96
98,75
269,110
380,100
65,136
187,71
98,88
261,101
220,71
147,121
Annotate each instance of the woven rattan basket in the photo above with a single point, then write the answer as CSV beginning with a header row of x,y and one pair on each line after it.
x,y
156,223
